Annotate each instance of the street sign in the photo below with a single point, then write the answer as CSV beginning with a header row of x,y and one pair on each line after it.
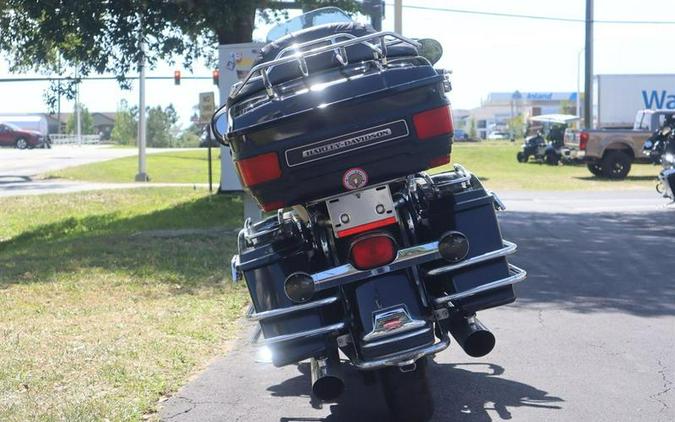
x,y
207,106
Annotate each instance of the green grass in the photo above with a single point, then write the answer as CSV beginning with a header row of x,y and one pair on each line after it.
x,y
111,299
168,167
495,163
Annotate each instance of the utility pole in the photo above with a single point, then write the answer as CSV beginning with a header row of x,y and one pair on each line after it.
x,y
142,176
588,82
77,115
578,106
398,16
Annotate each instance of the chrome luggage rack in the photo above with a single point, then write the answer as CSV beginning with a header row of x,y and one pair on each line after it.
x,y
294,54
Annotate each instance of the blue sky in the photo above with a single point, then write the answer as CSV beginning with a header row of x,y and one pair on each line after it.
x,y
485,53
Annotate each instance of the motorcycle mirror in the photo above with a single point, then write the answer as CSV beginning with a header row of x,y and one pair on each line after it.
x,y
219,125
430,49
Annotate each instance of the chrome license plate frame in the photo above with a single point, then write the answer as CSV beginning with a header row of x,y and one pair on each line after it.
x,y
372,207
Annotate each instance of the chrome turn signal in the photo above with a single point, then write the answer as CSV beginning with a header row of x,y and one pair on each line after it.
x,y
453,246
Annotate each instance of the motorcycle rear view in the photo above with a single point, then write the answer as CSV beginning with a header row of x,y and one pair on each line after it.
x,y
368,261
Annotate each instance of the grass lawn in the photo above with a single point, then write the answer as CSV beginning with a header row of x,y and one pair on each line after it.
x,y
167,167
495,163
111,299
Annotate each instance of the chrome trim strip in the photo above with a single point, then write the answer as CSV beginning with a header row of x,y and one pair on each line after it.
x,y
508,249
303,334
518,275
397,338
394,360
414,255
275,313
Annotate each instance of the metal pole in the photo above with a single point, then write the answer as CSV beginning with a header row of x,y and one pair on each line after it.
x,y
578,106
210,167
142,176
588,82
398,16
77,115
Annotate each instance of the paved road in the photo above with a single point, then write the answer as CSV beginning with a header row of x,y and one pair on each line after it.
x,y
22,164
591,337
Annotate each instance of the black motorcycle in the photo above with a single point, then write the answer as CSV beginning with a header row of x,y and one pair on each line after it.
x,y
660,148
368,260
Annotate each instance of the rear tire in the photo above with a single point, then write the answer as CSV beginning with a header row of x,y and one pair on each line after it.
x,y
407,393
616,165
552,158
595,168
21,143
521,157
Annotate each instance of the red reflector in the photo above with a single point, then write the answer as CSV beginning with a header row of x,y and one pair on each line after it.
x,y
434,122
372,252
583,140
439,161
366,227
259,169
272,206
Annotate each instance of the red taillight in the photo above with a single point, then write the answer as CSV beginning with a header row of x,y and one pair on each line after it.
x,y
583,140
434,122
372,251
439,161
259,169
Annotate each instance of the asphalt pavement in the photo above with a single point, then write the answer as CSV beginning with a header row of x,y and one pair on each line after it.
x,y
591,337
19,168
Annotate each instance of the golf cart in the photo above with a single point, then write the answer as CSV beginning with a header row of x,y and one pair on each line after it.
x,y
544,138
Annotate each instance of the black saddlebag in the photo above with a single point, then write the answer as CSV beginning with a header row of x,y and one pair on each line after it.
x,y
265,267
470,211
362,119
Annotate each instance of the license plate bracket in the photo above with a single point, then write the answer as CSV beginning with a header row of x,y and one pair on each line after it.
x,y
361,211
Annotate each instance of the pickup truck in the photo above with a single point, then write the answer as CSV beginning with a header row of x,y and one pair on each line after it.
x,y
611,152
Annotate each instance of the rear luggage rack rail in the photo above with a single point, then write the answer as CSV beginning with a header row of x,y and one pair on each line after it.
x,y
338,47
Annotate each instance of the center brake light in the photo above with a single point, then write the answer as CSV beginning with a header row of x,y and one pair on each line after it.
x,y
259,169
434,122
372,250
583,140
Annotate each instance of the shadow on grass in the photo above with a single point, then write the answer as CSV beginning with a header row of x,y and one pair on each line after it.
x,y
109,243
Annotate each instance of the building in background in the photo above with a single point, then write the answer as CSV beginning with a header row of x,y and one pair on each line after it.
x,y
500,108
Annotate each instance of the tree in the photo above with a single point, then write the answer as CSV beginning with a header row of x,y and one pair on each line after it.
x,y
472,129
125,127
76,38
517,126
86,122
161,127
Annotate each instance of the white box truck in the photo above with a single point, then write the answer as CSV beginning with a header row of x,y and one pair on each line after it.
x,y
616,98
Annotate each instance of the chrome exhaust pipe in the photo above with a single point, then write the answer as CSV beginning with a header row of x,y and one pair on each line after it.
x,y
327,384
474,338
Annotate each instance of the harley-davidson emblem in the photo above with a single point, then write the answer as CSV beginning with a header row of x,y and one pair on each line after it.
x,y
354,178
348,142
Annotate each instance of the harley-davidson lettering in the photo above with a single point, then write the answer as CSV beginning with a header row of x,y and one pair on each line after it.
x,y
346,143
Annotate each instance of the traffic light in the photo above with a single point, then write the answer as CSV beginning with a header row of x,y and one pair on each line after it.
x,y
216,77
176,77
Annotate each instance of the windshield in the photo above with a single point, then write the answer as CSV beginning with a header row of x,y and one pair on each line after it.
x,y
314,18
12,126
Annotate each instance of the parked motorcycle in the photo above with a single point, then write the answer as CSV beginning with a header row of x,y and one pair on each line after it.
x,y
660,148
368,260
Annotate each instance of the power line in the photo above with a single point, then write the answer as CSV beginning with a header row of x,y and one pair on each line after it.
x,y
535,17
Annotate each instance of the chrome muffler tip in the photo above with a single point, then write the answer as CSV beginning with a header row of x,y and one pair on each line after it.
x,y
327,385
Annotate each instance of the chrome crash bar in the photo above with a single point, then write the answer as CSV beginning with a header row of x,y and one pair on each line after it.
x,y
517,275
338,47
414,255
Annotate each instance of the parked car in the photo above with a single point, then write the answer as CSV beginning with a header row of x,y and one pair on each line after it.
x,y
13,136
461,135
499,136
611,152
